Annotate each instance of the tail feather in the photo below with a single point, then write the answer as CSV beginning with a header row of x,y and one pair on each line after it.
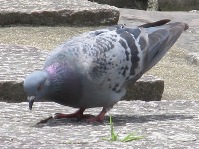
x,y
157,23
161,39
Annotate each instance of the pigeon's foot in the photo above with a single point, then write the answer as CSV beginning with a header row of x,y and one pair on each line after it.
x,y
61,115
98,118
78,114
95,119
45,120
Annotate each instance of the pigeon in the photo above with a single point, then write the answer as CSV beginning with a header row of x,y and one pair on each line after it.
x,y
93,69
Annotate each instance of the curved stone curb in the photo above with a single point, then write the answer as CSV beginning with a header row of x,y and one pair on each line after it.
x,y
53,12
16,62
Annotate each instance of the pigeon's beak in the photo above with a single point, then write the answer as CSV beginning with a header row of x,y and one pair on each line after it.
x,y
31,101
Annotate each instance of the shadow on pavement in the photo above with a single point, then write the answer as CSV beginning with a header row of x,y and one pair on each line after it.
x,y
118,120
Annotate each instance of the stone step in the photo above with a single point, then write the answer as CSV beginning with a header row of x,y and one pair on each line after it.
x,y
16,62
53,12
133,4
162,5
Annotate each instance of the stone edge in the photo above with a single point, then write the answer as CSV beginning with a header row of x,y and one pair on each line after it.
x,y
148,88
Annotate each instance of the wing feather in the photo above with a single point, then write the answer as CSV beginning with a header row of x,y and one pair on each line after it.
x,y
111,57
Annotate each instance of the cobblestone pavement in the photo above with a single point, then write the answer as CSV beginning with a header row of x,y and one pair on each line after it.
x,y
164,124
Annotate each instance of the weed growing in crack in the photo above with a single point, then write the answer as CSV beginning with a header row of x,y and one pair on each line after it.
x,y
115,136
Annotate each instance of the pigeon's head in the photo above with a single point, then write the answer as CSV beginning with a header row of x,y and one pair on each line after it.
x,y
36,86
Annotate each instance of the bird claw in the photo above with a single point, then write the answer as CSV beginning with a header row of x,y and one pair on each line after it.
x,y
78,115
44,120
94,119
73,115
88,117
59,116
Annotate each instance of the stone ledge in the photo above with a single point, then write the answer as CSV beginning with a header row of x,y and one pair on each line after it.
x,y
53,12
148,88
179,5
162,5
133,4
17,62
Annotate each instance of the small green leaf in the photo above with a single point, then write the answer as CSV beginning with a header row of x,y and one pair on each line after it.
x,y
115,137
131,137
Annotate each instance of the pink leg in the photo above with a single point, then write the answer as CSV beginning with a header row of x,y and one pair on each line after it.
x,y
77,114
100,117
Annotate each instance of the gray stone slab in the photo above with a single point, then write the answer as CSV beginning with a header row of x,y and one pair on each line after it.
x,y
53,12
178,5
147,88
164,124
133,4
16,62
162,5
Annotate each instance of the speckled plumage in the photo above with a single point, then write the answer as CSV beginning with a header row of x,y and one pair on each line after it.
x,y
100,63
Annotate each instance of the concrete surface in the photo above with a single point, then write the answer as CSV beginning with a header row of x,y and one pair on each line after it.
x,y
162,5
164,124
178,5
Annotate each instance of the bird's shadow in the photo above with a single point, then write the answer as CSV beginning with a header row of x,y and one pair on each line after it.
x,y
119,120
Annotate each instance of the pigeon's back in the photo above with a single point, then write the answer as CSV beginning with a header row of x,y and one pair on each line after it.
x,y
109,58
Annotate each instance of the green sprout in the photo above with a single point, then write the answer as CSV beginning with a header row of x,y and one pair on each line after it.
x,y
115,136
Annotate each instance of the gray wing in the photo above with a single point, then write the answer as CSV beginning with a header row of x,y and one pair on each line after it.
x,y
116,57
126,54
160,40
111,57
82,41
